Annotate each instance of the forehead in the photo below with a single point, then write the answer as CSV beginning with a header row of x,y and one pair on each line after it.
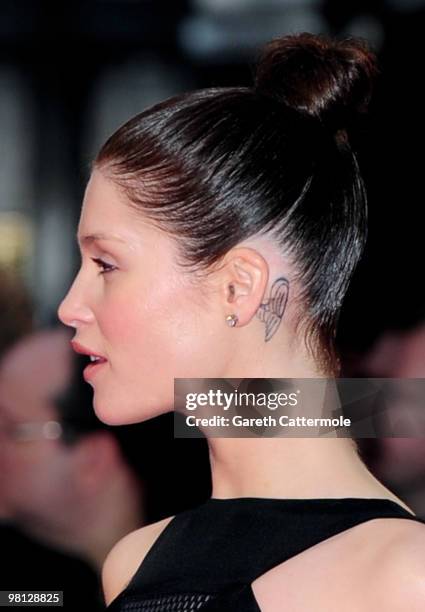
x,y
107,214
105,208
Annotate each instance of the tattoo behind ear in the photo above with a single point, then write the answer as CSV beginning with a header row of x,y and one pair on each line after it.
x,y
271,311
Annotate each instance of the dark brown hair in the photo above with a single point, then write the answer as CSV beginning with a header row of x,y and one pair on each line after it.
x,y
216,166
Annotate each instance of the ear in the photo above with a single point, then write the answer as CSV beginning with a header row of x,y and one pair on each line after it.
x,y
95,456
243,282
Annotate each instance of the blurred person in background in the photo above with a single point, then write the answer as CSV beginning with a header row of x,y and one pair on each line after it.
x,y
15,309
60,485
29,564
57,496
15,321
69,481
399,462
397,354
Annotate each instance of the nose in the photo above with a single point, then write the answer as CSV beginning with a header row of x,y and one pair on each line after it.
x,y
74,309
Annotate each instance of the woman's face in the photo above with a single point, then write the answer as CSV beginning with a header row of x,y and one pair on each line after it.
x,y
132,305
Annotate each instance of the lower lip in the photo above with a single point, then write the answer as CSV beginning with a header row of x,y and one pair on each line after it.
x,y
90,370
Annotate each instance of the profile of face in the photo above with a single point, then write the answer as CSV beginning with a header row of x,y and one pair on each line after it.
x,y
132,304
35,470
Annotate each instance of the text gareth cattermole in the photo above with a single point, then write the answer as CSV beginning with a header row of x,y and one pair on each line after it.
x,y
225,400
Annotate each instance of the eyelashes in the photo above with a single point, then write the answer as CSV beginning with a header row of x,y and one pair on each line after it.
x,y
105,267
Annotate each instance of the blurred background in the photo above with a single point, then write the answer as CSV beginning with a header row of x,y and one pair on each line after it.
x,y
70,74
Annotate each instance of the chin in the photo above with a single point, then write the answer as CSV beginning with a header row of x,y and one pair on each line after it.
x,y
121,413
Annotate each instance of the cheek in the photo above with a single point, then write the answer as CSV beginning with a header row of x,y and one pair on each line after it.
x,y
151,338
163,332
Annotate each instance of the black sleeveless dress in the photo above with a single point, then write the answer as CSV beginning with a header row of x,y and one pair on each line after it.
x,y
206,558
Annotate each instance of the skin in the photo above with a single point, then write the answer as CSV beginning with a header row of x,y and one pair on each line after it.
x,y
172,326
153,321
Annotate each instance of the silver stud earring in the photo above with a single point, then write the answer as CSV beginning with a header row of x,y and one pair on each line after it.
x,y
231,320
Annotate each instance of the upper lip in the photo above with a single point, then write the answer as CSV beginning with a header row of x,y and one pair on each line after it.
x,y
79,348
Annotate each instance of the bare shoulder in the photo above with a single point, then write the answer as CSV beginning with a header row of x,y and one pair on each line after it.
x,y
377,565
126,556
408,539
398,582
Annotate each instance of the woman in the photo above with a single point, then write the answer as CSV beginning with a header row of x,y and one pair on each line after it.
x,y
195,209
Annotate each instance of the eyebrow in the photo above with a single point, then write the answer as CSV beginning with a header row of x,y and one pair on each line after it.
x,y
90,238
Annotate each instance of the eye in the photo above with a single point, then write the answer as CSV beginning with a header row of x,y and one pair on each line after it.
x,y
105,267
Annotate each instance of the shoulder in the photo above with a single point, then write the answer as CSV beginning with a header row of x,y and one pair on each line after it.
x,y
378,565
126,556
398,581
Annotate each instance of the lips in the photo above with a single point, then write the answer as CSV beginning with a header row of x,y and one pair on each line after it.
x,y
83,350
96,360
91,369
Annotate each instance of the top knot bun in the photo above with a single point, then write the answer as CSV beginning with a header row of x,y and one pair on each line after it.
x,y
322,77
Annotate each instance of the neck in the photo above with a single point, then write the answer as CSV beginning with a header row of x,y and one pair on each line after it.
x,y
288,467
292,468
